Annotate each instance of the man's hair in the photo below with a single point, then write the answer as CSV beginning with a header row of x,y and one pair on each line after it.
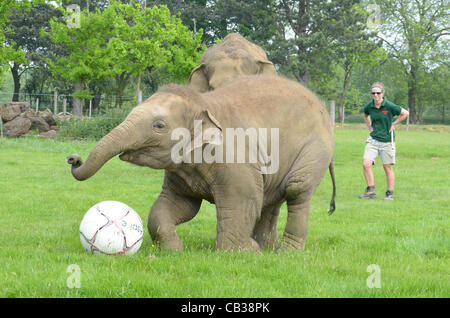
x,y
378,84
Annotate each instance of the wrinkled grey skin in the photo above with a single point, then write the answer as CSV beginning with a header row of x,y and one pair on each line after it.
x,y
232,58
247,201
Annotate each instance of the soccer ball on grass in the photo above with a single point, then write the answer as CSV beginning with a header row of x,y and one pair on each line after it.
x,y
111,227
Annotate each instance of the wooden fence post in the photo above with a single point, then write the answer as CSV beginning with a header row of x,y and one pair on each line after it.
x,y
64,108
55,102
332,112
1,126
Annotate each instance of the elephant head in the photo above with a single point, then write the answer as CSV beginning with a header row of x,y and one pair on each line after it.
x,y
145,136
233,57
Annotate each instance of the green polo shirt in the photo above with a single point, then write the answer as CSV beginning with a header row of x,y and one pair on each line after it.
x,y
382,119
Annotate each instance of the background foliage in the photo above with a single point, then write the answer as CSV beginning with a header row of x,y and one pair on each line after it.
x,y
122,47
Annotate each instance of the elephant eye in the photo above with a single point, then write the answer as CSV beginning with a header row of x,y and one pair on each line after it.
x,y
159,125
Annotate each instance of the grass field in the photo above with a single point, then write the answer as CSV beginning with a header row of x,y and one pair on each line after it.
x,y
41,207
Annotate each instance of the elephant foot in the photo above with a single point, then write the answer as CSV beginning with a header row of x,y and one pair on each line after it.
x,y
172,244
291,242
265,232
166,239
267,240
225,242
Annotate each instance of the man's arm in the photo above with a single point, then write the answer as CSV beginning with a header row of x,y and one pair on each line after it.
x,y
403,114
368,122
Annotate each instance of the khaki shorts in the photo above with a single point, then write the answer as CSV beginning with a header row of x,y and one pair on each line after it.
x,y
375,148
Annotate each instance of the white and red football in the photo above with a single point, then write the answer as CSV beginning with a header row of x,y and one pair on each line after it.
x,y
111,227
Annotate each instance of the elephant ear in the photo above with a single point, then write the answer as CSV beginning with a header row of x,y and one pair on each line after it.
x,y
266,67
210,128
198,79
207,131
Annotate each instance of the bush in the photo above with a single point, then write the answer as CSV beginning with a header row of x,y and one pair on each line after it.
x,y
92,128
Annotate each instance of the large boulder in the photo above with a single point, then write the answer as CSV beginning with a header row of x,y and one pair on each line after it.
x,y
47,115
20,120
48,134
10,112
39,124
19,126
23,105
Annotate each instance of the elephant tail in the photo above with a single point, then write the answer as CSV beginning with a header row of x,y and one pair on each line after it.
x,y
333,179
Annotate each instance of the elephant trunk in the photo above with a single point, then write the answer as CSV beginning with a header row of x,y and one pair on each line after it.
x,y
115,142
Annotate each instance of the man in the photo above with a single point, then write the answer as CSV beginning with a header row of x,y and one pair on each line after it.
x,y
378,115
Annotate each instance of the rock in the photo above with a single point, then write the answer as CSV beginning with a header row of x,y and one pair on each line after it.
x,y
47,115
29,113
10,112
39,124
48,134
23,105
17,127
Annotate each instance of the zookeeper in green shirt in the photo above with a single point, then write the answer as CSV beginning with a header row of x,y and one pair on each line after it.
x,y
378,115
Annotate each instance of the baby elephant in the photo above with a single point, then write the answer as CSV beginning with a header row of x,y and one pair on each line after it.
x,y
247,147
232,58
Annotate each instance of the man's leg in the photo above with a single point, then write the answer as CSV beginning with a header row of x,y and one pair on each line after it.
x,y
368,173
390,177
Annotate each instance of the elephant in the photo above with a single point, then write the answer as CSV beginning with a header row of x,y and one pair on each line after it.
x,y
247,193
231,58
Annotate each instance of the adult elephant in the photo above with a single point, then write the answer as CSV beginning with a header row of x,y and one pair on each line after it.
x,y
220,170
231,58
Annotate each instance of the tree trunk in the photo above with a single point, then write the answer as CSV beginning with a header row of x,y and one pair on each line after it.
x,y
16,78
138,90
412,91
347,75
77,102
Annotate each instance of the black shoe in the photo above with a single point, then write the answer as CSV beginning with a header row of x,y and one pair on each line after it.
x,y
369,194
389,195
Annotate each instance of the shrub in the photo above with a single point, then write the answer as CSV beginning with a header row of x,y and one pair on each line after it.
x,y
94,127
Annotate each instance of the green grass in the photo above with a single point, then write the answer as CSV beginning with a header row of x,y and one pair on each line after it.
x,y
41,207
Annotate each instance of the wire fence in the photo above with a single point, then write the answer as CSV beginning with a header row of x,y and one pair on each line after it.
x,y
60,103
99,105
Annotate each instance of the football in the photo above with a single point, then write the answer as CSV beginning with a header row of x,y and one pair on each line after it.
x,y
111,227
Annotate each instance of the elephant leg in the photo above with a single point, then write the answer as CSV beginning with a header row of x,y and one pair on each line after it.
x,y
265,232
238,203
294,236
169,210
235,227
302,182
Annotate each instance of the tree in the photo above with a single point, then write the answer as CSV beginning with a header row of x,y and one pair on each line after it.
x,y
356,45
24,35
121,41
433,90
87,56
8,51
146,37
413,31
310,34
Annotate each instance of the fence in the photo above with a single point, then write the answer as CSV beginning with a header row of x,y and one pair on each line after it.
x,y
62,103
